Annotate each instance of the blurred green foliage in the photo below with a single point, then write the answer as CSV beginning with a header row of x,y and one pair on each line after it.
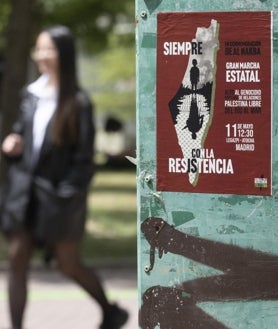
x,y
97,24
111,82
4,14
92,21
104,30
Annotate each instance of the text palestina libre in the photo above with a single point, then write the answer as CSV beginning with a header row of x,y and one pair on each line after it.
x,y
202,161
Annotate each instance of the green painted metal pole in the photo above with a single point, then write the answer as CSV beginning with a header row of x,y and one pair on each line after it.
x,y
205,260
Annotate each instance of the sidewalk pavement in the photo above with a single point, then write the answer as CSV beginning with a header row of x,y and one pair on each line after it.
x,y
57,303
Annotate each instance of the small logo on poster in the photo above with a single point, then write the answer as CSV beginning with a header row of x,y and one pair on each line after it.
x,y
260,182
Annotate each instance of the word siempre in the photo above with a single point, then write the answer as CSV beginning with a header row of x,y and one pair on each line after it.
x,y
182,48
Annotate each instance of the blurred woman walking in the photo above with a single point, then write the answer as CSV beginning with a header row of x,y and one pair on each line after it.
x,y
50,150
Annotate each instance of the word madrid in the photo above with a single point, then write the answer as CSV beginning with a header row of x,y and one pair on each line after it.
x,y
202,161
182,48
242,72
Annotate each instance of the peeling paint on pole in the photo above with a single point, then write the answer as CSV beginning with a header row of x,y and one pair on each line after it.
x,y
205,260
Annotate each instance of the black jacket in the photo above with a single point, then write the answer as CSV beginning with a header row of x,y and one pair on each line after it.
x,y
49,198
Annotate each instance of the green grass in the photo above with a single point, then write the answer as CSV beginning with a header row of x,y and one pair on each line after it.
x,y
111,223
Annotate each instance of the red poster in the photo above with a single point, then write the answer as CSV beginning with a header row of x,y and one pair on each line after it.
x,y
214,102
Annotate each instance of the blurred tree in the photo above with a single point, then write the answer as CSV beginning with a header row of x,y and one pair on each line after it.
x,y
4,15
92,21
15,60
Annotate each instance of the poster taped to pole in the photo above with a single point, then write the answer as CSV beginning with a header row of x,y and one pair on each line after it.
x,y
214,102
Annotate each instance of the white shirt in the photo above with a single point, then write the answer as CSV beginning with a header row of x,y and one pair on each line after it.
x,y
45,109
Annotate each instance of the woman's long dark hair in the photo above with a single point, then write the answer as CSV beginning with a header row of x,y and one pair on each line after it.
x,y
65,126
